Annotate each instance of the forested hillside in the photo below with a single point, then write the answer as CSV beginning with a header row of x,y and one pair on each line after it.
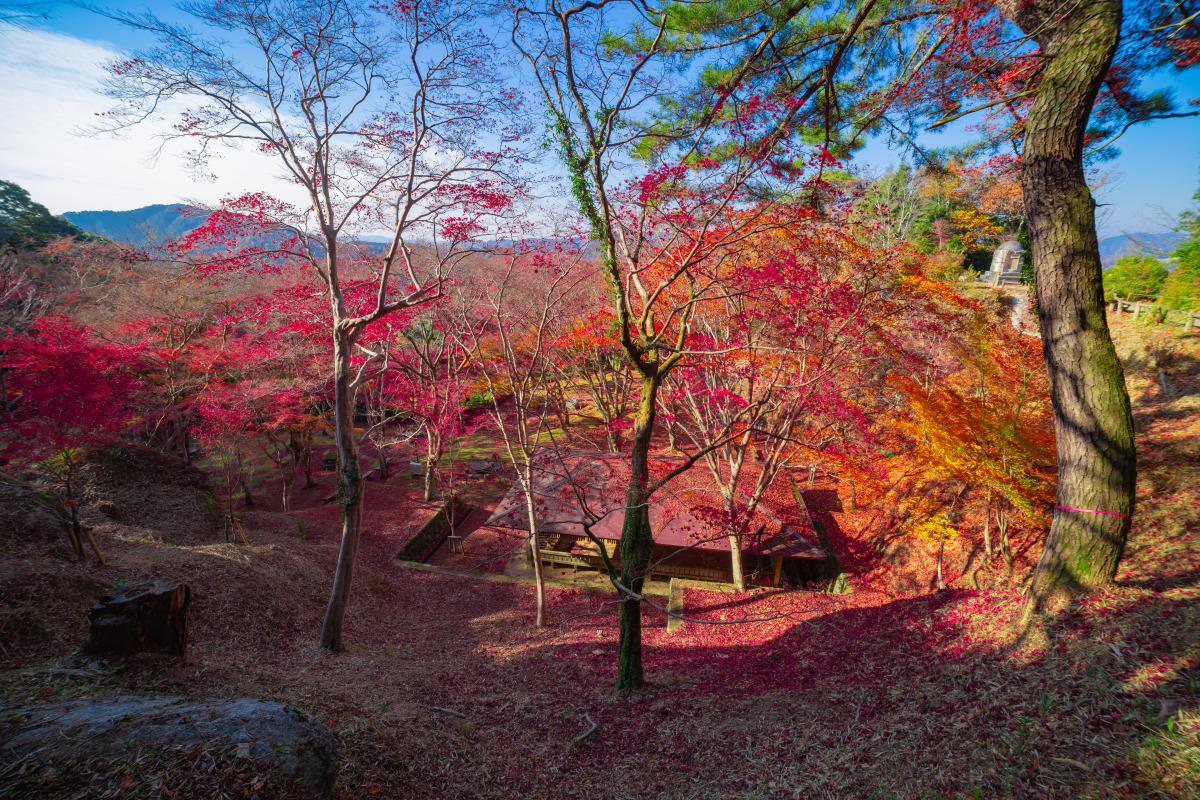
x,y
561,406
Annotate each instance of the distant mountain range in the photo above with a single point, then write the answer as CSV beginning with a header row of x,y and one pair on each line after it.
x,y
145,227
1155,244
154,225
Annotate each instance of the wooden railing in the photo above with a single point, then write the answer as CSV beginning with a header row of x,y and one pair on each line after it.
x,y
1190,320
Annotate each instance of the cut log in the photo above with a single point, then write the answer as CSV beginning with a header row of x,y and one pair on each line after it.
x,y
149,616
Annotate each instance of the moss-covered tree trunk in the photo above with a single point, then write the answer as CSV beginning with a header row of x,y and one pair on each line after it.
x,y
637,540
1092,419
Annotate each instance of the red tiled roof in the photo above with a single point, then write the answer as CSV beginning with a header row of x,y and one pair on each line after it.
x,y
579,486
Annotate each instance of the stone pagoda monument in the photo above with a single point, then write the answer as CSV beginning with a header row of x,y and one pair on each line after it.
x,y
1006,264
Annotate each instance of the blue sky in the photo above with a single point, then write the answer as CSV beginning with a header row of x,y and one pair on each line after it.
x,y
48,80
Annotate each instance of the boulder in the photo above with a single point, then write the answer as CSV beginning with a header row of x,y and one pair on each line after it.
x,y
149,616
298,753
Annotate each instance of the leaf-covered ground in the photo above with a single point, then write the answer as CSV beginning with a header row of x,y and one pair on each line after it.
x,y
767,695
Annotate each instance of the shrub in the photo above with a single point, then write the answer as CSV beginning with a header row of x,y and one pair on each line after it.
x,y
478,399
1135,277
1181,289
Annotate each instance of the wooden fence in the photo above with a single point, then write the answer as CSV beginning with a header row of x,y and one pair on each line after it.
x,y
1190,320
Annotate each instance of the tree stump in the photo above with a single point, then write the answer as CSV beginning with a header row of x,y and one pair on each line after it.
x,y
143,617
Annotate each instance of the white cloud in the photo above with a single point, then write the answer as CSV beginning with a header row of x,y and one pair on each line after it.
x,y
50,94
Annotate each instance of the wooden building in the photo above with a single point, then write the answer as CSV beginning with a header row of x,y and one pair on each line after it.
x,y
585,491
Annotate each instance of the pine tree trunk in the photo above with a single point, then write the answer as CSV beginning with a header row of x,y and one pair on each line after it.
x,y
349,493
1092,419
637,541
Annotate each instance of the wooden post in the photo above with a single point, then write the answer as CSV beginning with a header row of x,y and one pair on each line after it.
x,y
1189,323
1137,310
674,606
778,571
812,474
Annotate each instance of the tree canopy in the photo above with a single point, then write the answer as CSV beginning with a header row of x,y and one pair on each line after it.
x,y
1135,277
26,224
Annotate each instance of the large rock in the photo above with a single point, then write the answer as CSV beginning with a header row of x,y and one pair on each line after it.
x,y
146,616
298,752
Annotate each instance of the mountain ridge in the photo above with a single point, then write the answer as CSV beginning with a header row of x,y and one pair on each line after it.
x,y
147,226
155,224
1154,244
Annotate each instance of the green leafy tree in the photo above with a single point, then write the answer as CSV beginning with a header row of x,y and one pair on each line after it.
x,y
1181,289
26,224
1135,277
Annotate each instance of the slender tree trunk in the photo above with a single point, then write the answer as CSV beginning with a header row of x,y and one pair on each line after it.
x,y
560,408
349,492
186,441
427,491
1092,419
941,580
243,481
539,580
301,447
76,529
78,532
637,540
381,452
614,443
987,526
309,483
95,547
1005,544
735,563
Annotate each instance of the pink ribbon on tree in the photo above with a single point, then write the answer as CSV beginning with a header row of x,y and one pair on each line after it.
x,y
1092,511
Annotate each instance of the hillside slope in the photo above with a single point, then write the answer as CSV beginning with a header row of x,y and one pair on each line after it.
x,y
763,695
